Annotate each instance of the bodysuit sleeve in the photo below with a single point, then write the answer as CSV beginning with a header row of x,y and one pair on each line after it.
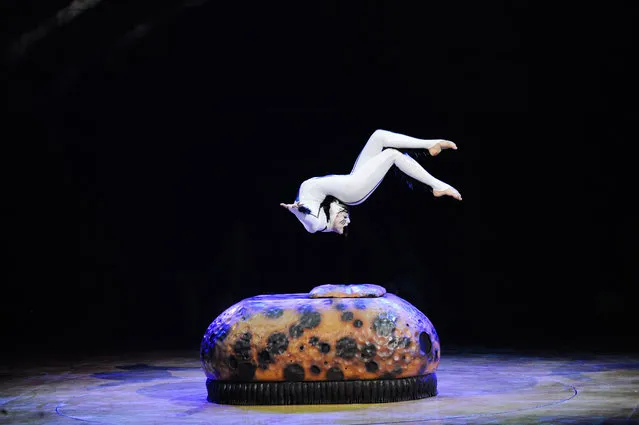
x,y
312,223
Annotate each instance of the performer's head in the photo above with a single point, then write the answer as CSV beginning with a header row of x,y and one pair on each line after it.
x,y
340,222
338,216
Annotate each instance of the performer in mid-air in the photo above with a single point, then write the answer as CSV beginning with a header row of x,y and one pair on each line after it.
x,y
322,202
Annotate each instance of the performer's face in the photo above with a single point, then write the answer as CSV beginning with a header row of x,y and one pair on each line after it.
x,y
341,221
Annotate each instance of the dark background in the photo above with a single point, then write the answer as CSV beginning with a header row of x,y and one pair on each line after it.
x,y
148,146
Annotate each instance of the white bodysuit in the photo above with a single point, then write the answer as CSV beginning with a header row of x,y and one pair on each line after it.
x,y
370,169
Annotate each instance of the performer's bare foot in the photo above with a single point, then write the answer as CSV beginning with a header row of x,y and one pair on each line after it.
x,y
441,145
451,191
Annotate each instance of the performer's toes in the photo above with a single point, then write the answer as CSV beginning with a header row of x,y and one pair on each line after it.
x,y
448,145
451,191
442,144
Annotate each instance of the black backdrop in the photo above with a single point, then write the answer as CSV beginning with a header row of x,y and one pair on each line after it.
x,y
149,148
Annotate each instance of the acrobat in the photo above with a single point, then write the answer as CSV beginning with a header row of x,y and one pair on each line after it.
x,y
322,202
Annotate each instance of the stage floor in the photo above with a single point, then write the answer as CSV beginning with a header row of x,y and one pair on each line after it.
x,y
474,388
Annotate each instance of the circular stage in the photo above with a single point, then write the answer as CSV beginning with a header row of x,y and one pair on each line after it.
x,y
473,388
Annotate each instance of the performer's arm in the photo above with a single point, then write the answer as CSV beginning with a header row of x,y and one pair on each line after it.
x,y
311,222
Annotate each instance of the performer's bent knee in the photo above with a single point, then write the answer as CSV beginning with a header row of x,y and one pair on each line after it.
x,y
392,153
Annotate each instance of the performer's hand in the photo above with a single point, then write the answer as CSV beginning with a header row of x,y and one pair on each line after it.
x,y
296,205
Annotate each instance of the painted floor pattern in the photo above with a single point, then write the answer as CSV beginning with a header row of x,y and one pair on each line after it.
x,y
474,388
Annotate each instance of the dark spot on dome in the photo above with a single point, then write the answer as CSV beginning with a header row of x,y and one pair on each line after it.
x,y
315,370
372,367
242,347
325,363
294,372
295,331
306,308
328,301
347,316
302,347
340,306
313,340
277,343
273,313
324,347
232,362
357,323
245,371
310,319
424,343
360,304
383,326
402,342
397,370
346,347
264,358
334,374
221,336
369,350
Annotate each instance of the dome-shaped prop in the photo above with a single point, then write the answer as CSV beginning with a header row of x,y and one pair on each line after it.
x,y
337,344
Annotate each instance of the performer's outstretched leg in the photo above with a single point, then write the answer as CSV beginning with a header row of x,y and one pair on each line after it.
x,y
381,139
355,188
